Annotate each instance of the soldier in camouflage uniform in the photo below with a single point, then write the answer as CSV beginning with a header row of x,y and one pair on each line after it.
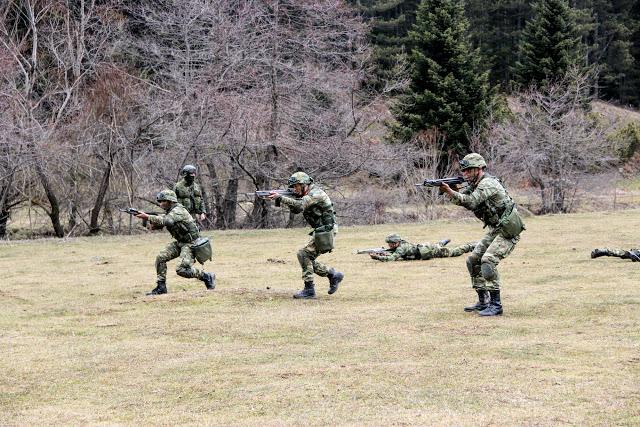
x,y
487,198
184,230
401,250
317,210
189,193
632,254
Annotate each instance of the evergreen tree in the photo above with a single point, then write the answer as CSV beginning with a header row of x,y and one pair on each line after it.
x,y
550,44
448,89
390,22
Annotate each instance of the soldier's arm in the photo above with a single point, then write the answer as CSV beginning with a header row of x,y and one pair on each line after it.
x,y
298,205
394,256
472,200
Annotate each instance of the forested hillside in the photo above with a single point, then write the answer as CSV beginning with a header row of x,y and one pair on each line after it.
x,y
102,102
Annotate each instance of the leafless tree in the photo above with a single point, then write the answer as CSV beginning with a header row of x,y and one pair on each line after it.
x,y
551,142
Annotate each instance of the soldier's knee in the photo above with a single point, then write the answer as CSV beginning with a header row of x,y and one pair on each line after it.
x,y
488,270
472,264
304,255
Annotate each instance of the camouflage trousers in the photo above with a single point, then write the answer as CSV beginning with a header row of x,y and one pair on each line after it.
x,y
435,250
456,251
621,253
484,260
307,259
185,266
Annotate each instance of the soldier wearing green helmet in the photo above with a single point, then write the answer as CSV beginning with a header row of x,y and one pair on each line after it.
x,y
188,245
487,198
401,250
189,193
317,210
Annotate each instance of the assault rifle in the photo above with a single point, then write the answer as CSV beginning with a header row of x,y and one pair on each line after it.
x,y
263,194
437,182
371,251
134,212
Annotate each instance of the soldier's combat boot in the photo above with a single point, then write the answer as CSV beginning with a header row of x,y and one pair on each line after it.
x,y
444,242
161,288
209,280
335,277
598,253
483,302
495,306
632,255
307,293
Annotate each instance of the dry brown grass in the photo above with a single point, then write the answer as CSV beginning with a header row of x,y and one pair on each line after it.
x,y
81,345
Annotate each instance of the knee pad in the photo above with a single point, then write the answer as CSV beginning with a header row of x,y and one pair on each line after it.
x,y
488,271
472,265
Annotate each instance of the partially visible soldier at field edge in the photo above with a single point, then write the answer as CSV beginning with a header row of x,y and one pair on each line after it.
x,y
187,241
401,250
487,198
632,254
189,193
317,210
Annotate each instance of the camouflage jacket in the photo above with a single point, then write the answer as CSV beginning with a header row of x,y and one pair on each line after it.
x,y
488,200
316,208
190,196
407,251
178,222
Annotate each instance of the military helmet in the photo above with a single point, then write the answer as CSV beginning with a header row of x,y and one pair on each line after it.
x,y
169,195
472,160
299,178
393,238
188,169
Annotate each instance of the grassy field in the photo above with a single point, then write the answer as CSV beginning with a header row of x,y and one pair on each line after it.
x,y
80,344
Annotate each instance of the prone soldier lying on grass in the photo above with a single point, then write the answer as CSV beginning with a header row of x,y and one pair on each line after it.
x,y
632,254
401,250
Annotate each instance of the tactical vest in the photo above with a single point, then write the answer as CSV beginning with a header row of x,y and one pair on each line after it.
x,y
320,215
491,211
183,231
188,195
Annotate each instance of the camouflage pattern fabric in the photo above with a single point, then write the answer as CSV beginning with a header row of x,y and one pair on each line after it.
x,y
190,196
424,251
184,230
492,249
488,200
178,222
185,266
317,210
633,254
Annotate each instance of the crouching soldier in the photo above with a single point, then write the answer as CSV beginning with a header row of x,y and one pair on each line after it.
x,y
632,254
188,245
317,210
400,249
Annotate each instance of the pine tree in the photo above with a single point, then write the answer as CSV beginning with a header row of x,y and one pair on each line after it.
x,y
550,44
448,91
390,22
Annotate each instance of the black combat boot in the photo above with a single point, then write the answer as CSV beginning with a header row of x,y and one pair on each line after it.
x,y
598,253
307,293
495,306
209,280
161,288
444,242
335,277
632,255
483,302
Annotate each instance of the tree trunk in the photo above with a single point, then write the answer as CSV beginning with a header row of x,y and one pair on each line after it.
x,y
231,198
104,186
54,214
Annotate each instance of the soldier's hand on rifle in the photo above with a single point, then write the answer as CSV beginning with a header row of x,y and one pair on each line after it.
x,y
444,188
273,195
142,215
